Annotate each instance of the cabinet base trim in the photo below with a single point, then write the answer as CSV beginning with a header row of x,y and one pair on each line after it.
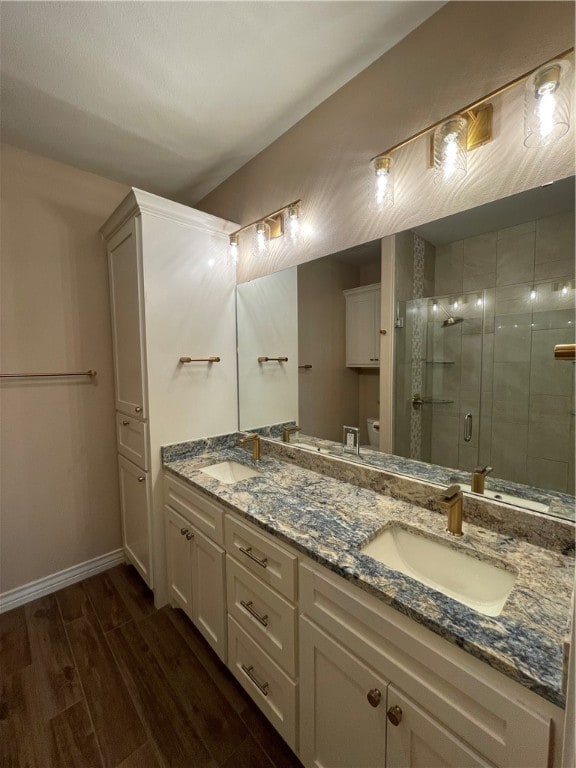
x,y
13,598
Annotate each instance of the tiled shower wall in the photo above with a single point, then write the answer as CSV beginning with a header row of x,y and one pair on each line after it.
x,y
525,418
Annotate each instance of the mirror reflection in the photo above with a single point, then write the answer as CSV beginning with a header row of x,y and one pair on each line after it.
x,y
480,300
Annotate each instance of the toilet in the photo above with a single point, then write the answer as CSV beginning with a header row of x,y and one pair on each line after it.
x,y
373,432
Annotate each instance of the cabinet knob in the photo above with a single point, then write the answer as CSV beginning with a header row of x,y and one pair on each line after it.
x,y
395,715
125,422
183,531
374,696
189,535
141,479
138,409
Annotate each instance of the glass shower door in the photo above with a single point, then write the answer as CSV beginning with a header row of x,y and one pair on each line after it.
x,y
439,381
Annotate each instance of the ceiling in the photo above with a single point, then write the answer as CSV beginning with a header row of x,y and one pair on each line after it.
x,y
173,97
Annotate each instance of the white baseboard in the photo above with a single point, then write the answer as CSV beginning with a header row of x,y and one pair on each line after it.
x,y
16,597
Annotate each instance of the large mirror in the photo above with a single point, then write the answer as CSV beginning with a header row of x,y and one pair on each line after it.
x,y
480,300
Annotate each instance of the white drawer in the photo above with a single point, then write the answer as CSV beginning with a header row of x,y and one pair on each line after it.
x,y
261,555
132,439
196,508
271,689
494,715
263,613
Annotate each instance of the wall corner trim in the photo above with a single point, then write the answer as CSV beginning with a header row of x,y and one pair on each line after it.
x,y
14,598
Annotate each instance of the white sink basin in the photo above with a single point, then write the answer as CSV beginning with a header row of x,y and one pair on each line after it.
x,y
475,583
309,447
229,472
535,506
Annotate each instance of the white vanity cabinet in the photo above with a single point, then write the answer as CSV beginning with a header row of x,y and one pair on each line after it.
x,y
339,725
363,326
172,293
356,719
261,595
435,706
196,562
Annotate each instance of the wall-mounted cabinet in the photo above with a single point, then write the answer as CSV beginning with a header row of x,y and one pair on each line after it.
x,y
172,295
363,326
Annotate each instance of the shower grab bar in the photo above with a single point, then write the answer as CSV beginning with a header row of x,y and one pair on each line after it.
x,y
90,373
468,427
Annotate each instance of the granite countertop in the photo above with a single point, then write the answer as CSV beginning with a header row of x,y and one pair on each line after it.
x,y
328,520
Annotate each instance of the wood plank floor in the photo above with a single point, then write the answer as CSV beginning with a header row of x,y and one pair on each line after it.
x,y
93,676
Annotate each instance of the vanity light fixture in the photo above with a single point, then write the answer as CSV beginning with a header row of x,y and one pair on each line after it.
x,y
563,288
533,293
546,119
547,104
234,248
267,228
450,149
293,218
262,236
384,180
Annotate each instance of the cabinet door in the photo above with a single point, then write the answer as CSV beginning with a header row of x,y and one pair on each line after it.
x,y
208,592
339,726
179,535
363,328
127,320
416,740
135,505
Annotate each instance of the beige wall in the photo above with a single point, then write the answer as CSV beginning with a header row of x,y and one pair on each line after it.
x,y
327,393
463,52
59,497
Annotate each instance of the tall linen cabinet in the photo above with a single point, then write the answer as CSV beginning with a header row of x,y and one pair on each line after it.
x,y
172,295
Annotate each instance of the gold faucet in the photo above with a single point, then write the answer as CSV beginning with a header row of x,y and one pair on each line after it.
x,y
478,478
287,431
255,440
451,500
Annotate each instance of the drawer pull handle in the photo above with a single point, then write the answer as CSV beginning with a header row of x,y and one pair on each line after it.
x,y
248,607
262,687
125,422
248,552
138,409
374,696
395,715
141,479
189,535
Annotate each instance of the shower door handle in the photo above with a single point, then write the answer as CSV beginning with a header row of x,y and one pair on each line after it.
x,y
468,428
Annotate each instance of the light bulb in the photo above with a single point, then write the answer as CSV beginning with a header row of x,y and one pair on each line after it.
x,y
294,220
234,248
564,290
455,305
533,294
262,236
384,189
450,149
434,306
547,104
